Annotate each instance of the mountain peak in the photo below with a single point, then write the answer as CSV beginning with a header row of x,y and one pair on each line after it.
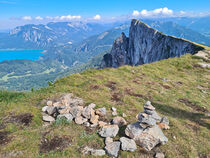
x,y
146,45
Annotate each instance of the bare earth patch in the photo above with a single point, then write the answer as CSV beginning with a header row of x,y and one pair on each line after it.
x,y
54,144
111,85
194,106
4,139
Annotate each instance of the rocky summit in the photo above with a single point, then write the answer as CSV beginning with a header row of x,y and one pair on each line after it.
x,y
146,45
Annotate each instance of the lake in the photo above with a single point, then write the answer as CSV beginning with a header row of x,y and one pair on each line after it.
x,y
20,54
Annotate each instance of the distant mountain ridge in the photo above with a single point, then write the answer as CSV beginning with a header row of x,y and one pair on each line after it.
x,y
45,36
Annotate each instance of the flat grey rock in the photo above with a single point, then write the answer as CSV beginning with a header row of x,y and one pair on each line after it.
x,y
133,130
51,110
128,144
48,118
109,131
112,149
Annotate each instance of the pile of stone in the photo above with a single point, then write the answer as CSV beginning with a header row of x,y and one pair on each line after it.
x,y
72,108
146,132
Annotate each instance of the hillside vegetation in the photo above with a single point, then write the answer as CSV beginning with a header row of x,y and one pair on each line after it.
x,y
177,87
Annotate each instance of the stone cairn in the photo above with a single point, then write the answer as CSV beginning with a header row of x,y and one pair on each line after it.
x,y
145,132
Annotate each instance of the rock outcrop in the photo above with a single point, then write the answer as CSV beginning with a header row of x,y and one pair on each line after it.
x,y
145,45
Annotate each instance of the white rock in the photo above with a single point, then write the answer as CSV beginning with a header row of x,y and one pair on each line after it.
x,y
44,109
48,118
114,109
92,105
49,103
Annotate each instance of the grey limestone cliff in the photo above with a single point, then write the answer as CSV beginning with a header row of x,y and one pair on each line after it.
x,y
146,45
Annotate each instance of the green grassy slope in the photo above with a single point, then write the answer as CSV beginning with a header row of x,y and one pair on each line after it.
x,y
183,98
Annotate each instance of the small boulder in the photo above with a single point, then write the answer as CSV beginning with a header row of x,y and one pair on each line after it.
x,y
114,113
101,123
48,118
49,103
86,150
133,130
147,119
159,155
57,104
128,144
163,126
76,102
88,112
68,117
66,99
51,110
109,131
92,105
113,148
94,119
80,120
101,111
98,152
65,110
165,120
114,109
86,124
76,111
149,106
108,140
124,115
120,121
150,137
44,109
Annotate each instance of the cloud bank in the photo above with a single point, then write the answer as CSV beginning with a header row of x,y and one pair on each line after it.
x,y
165,12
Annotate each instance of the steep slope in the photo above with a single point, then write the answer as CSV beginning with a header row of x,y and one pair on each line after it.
x,y
177,87
146,45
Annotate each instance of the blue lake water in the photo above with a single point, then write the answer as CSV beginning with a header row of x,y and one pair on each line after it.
x,y
20,54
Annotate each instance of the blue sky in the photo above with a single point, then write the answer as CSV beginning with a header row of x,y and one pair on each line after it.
x,y
16,12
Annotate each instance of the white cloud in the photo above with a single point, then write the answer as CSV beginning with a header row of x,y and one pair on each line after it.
x,y
39,18
97,17
156,12
136,13
69,17
27,18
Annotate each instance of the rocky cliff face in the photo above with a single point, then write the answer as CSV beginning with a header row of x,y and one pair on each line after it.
x,y
145,45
